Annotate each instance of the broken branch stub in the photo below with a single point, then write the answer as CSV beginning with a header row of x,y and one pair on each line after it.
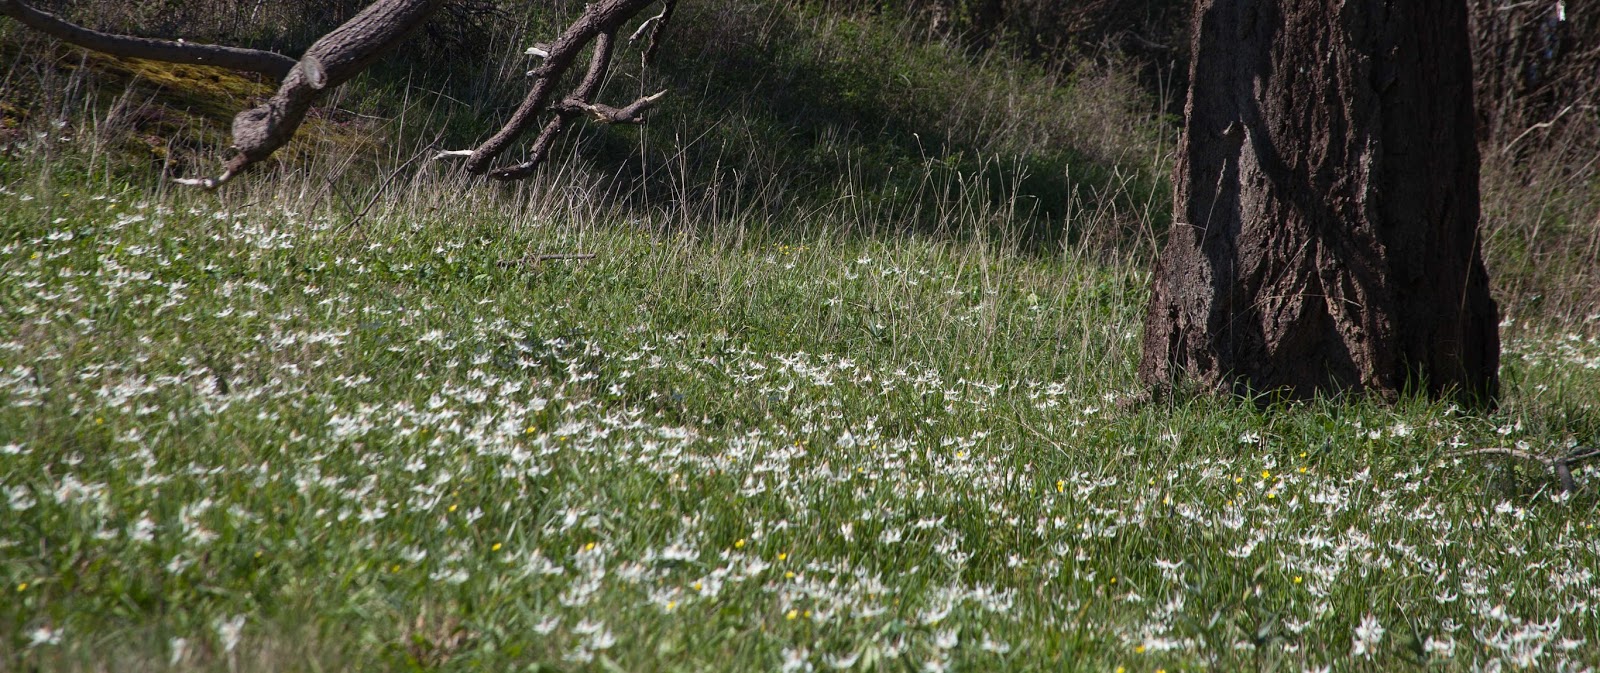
x,y
632,114
658,24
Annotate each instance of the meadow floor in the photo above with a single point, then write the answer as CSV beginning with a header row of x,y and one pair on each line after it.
x,y
235,436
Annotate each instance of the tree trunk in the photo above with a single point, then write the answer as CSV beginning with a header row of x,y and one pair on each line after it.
x,y
1325,237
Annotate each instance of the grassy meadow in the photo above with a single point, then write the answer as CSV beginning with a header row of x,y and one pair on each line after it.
x,y
874,409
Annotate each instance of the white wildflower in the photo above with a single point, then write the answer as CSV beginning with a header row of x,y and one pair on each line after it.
x,y
44,635
1368,634
840,663
991,645
545,626
602,640
142,531
228,632
795,660
19,498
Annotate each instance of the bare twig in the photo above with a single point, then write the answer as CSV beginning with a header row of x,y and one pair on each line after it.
x,y
1536,127
534,260
1561,465
381,188
646,26
1497,450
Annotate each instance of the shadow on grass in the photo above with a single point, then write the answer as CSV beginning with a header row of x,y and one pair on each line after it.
x,y
793,112
778,112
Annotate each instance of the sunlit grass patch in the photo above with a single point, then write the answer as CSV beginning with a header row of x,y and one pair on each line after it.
x,y
231,424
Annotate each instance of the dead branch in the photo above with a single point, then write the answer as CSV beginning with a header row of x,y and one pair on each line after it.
x,y
632,114
656,25
534,260
347,50
338,56
260,131
1561,465
128,46
600,19
599,63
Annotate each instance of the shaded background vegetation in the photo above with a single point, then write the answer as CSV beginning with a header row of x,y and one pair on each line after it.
x,y
1060,116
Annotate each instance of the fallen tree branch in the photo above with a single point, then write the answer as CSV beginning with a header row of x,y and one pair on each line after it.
x,y
338,56
601,19
128,46
1561,465
534,260
599,63
261,131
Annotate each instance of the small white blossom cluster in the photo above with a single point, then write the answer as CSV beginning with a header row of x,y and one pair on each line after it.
x,y
611,490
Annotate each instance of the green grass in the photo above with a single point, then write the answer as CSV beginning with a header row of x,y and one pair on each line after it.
x,y
820,400
240,436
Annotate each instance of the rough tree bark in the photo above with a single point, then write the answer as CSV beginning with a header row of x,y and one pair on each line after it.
x,y
1325,237
331,61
